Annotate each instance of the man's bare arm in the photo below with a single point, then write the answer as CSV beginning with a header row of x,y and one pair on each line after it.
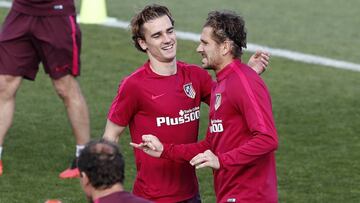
x,y
113,131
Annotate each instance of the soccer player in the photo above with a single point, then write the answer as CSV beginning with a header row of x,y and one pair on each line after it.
x,y
101,168
241,137
162,96
43,31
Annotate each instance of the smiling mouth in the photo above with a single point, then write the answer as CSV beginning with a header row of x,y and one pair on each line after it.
x,y
168,47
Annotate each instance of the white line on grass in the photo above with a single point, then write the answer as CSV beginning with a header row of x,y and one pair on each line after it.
x,y
292,55
296,56
5,4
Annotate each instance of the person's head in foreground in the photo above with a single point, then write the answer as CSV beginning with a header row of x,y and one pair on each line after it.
x,y
101,169
222,39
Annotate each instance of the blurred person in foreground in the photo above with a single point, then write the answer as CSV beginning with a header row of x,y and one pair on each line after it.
x,y
241,140
162,96
43,31
101,168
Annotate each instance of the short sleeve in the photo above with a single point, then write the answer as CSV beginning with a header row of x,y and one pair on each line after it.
x,y
124,105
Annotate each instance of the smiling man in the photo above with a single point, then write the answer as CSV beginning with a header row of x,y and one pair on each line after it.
x,y
163,96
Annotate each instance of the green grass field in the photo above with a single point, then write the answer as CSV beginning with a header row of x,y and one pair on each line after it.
x,y
316,108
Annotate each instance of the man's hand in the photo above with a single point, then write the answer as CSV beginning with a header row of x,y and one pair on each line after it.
x,y
259,61
206,159
151,145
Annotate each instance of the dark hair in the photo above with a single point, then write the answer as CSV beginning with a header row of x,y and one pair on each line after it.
x,y
150,12
102,162
228,25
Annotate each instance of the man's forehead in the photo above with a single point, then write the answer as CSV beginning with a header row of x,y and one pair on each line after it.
x,y
158,24
206,33
207,30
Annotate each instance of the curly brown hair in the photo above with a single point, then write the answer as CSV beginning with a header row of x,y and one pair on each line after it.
x,y
227,25
150,12
102,162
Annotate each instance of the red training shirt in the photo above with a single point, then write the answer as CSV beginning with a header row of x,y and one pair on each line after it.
x,y
168,107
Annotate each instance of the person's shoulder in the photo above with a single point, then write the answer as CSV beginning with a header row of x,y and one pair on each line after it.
x,y
132,82
130,198
183,64
138,73
244,71
193,68
247,70
244,76
135,77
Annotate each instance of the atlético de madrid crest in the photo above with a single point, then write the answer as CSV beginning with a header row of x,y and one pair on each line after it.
x,y
217,101
189,90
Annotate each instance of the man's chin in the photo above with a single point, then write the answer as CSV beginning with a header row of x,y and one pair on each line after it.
x,y
170,55
170,58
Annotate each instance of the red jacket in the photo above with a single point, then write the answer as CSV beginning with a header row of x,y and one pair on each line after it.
x,y
242,134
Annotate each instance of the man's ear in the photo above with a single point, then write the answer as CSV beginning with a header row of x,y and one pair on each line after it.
x,y
226,47
85,178
142,43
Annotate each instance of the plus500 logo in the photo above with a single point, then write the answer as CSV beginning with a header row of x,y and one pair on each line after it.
x,y
216,126
185,117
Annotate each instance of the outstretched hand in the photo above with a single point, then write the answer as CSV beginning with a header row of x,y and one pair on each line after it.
x,y
150,144
206,159
259,61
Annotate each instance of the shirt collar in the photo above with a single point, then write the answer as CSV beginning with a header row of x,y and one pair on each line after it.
x,y
227,69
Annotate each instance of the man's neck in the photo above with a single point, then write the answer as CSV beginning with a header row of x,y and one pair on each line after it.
x,y
102,193
163,68
226,61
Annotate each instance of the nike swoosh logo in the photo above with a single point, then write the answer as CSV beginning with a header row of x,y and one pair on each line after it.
x,y
153,97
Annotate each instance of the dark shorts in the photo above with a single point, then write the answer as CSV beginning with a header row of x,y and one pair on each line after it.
x,y
26,40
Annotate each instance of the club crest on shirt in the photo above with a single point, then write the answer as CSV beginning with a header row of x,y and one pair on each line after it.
x,y
217,101
231,200
189,90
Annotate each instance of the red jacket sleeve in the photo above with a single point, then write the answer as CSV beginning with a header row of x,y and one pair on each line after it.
x,y
252,100
185,152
